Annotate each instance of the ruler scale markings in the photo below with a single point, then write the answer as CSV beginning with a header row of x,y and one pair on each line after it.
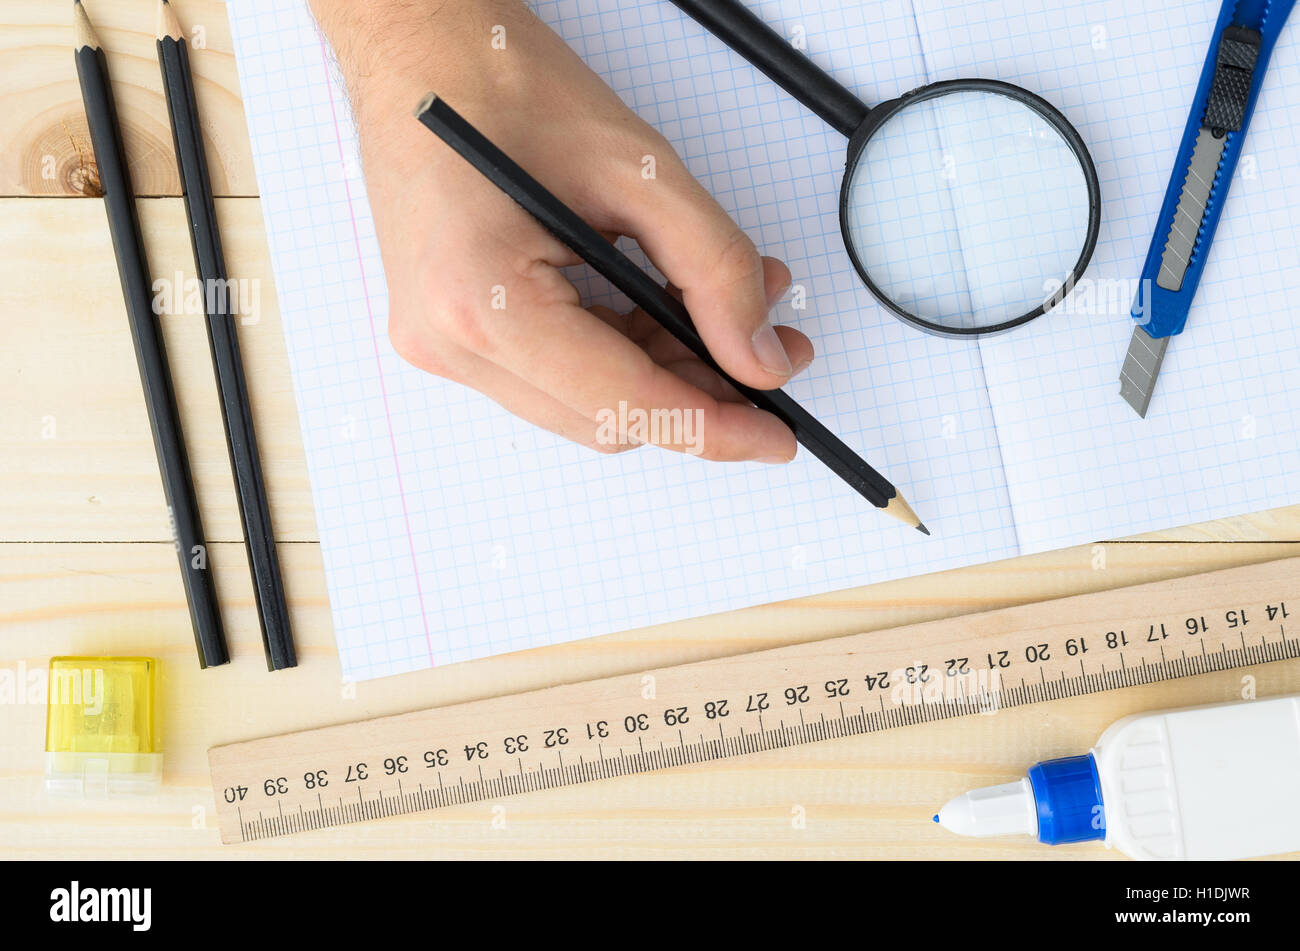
x,y
1252,595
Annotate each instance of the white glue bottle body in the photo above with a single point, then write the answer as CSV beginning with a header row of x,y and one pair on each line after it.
x,y
1214,782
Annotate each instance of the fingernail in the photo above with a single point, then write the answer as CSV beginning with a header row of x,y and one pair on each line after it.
x,y
774,299
803,365
770,353
773,460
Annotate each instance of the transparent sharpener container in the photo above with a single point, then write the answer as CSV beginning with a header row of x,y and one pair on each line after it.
x,y
100,734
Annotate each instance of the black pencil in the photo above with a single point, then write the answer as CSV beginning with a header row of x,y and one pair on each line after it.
x,y
642,290
223,338
146,334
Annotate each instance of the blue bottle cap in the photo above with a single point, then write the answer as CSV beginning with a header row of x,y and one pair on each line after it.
x,y
1067,792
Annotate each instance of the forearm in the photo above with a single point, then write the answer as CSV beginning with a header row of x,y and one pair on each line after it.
x,y
392,52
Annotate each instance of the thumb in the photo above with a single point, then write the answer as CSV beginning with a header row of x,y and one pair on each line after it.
x,y
728,288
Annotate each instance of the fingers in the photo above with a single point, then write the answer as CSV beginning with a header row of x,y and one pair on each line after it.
x,y
666,350
624,424
607,370
726,285
427,352
558,348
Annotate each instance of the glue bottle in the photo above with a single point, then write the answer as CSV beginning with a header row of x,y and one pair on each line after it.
x,y
1216,782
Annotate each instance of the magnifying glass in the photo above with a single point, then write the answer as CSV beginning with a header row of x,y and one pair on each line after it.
x,y
968,206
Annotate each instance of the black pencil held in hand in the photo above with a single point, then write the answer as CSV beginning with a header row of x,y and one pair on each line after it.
x,y
146,334
223,340
643,291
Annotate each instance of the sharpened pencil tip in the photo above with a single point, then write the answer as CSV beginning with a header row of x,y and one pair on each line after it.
x,y
168,26
900,510
85,32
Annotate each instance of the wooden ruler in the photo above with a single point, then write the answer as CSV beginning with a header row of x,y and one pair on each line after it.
x,y
738,706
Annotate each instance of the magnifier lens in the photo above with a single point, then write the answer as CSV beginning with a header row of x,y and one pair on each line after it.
x,y
967,209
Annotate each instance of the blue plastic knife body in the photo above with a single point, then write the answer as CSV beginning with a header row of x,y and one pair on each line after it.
x,y
1243,39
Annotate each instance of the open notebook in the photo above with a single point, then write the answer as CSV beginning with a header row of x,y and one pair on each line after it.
x,y
451,530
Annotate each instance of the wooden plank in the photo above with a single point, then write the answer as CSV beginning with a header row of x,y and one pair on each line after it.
x,y
76,457
864,797
47,148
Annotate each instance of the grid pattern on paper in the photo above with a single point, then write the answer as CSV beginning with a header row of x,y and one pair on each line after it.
x,y
451,530
1220,437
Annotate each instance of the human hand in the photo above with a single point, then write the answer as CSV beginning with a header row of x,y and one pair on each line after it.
x,y
475,288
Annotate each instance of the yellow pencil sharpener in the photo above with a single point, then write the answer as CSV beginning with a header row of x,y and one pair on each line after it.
x,y
100,736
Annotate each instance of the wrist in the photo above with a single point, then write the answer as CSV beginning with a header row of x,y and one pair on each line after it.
x,y
392,52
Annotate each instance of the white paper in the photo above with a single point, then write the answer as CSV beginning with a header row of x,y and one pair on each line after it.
x,y
451,530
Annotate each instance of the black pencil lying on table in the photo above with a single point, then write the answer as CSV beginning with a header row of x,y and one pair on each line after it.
x,y
223,339
146,334
642,290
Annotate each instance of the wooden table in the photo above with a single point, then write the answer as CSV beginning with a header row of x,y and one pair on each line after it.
x,y
86,561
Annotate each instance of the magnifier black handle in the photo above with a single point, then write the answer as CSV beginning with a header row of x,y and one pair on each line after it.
x,y
642,290
731,22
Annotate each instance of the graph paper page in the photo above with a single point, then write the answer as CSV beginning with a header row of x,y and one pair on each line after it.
x,y
451,530
1220,437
